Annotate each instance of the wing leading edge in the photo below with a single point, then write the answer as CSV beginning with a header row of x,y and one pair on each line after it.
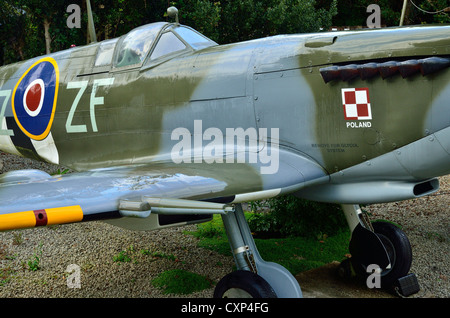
x,y
31,198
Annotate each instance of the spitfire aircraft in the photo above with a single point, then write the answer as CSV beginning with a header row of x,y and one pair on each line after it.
x,y
164,127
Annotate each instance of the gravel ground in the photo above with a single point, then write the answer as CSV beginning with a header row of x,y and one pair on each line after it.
x,y
93,246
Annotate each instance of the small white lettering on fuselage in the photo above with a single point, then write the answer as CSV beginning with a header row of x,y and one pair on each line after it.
x,y
359,124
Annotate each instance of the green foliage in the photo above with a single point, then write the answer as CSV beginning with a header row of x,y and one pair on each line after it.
x,y
430,12
353,13
122,257
297,254
212,229
178,281
299,16
248,19
204,14
22,22
61,171
291,216
6,274
300,254
35,261
158,254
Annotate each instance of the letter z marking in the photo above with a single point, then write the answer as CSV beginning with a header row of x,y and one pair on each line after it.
x,y
82,85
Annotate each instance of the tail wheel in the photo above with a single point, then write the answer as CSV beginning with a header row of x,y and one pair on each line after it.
x,y
243,284
398,249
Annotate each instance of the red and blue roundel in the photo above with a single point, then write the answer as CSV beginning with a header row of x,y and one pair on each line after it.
x,y
34,98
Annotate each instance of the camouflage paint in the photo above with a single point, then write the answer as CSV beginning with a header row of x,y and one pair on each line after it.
x,y
136,105
399,105
272,82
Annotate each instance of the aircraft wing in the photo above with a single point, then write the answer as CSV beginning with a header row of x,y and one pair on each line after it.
x,y
31,198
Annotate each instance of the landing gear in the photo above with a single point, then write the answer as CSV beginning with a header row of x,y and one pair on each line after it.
x,y
393,256
379,245
243,284
398,248
254,277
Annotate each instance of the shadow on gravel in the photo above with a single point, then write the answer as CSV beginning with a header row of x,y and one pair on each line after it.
x,y
324,282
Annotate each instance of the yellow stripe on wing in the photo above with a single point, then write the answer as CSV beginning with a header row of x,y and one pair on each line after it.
x,y
67,214
26,219
18,220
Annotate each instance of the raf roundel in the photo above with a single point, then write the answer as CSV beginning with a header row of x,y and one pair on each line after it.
x,y
34,98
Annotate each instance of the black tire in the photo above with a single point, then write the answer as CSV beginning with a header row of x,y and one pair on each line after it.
x,y
399,250
243,284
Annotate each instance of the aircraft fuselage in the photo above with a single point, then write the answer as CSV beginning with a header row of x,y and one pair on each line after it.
x,y
354,120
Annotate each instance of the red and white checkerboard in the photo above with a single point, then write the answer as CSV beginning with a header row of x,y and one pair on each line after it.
x,y
356,104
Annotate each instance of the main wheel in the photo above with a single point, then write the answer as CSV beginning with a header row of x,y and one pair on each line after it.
x,y
397,247
243,284
399,250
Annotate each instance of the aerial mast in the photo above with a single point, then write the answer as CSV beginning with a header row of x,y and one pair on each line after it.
x,y
402,17
91,26
172,12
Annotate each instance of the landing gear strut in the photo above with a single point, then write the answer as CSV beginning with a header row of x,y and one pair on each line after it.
x,y
254,277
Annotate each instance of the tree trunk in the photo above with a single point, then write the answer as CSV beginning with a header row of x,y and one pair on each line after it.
x,y
48,39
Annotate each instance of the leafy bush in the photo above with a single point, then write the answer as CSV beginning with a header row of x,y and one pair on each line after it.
x,y
178,281
290,216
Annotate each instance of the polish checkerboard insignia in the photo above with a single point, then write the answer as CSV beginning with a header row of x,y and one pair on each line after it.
x,y
356,104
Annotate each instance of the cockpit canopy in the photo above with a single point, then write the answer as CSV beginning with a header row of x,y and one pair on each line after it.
x,y
150,42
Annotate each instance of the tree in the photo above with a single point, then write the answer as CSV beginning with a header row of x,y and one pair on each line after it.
x,y
205,15
12,31
353,12
249,19
32,27
45,13
429,11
